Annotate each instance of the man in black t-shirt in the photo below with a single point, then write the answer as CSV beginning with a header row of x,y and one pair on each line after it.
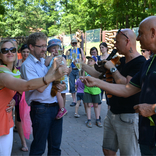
x,y
144,81
121,122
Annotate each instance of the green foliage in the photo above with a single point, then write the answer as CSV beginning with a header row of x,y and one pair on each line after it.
x,y
22,17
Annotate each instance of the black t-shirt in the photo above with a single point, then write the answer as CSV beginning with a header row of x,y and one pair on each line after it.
x,y
146,80
125,105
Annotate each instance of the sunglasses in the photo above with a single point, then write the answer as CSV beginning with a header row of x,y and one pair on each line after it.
x,y
6,50
74,43
143,51
122,33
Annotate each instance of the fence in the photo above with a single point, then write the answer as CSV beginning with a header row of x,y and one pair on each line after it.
x,y
92,39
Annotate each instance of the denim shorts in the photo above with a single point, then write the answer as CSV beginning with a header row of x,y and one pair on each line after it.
x,y
74,75
79,96
121,132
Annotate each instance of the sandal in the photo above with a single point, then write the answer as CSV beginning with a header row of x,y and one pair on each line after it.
x,y
24,149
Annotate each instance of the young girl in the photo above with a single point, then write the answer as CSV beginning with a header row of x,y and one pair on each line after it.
x,y
80,91
53,46
92,97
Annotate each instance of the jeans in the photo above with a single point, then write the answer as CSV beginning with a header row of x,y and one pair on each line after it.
x,y
73,75
45,127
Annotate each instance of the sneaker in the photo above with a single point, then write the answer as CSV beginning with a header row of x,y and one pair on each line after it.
x,y
100,118
61,113
89,124
98,123
73,104
76,115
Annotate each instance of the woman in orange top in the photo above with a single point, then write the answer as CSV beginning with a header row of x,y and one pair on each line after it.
x,y
9,84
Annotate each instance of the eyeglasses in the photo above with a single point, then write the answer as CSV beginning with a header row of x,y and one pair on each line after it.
x,y
41,46
74,43
143,51
122,33
6,50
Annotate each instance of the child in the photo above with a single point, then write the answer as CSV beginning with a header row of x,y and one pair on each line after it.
x,y
53,46
80,91
92,97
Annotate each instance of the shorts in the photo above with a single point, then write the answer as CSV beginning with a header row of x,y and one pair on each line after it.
x,y
79,96
121,132
89,98
65,91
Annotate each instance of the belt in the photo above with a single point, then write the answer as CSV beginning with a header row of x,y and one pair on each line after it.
x,y
44,104
75,68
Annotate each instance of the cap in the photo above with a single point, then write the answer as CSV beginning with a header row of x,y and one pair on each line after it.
x,y
74,40
24,46
92,57
54,42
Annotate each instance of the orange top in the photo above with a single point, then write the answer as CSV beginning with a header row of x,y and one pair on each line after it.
x,y
19,55
6,119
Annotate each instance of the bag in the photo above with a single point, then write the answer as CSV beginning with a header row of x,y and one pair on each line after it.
x,y
24,111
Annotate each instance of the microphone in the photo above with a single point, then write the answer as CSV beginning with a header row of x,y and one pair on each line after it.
x,y
100,66
114,51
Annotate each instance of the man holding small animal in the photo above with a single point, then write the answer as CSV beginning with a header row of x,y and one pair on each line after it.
x,y
121,122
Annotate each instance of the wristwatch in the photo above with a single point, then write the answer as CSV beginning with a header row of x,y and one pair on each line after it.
x,y
112,70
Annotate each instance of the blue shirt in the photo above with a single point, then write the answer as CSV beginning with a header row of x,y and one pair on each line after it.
x,y
32,68
74,51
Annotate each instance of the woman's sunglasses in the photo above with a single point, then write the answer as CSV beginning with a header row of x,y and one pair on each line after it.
x,y
6,50
142,51
74,43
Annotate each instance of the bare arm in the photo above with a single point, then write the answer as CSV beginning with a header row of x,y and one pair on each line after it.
x,y
48,59
90,70
119,79
12,83
115,89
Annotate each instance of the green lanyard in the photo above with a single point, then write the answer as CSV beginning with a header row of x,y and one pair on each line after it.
x,y
150,118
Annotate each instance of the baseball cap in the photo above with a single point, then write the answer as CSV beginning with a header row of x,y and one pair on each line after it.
x,y
92,57
54,42
74,40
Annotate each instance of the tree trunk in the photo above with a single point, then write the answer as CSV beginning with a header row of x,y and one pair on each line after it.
x,y
127,21
70,30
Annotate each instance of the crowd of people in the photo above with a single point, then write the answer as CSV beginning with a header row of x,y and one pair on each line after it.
x,y
42,82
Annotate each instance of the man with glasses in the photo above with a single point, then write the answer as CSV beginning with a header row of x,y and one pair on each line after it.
x,y
121,122
74,74
44,107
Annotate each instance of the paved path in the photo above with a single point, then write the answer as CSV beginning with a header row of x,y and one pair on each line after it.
x,y
77,139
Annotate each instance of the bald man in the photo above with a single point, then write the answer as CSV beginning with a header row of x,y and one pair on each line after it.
x,y
121,122
144,81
